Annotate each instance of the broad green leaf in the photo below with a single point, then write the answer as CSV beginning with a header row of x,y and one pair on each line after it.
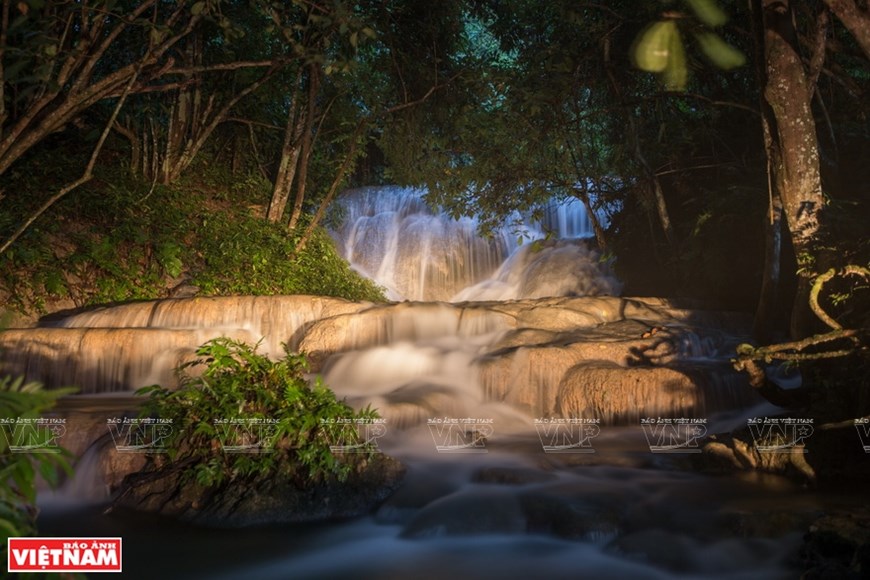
x,y
676,73
720,52
708,12
10,528
653,51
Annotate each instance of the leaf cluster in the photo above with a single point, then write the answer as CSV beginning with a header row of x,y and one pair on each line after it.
x,y
19,471
231,381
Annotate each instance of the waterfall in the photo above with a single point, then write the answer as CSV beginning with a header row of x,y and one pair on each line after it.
x,y
389,234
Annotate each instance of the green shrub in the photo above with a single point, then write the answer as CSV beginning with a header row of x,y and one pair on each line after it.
x,y
119,238
243,254
18,471
232,383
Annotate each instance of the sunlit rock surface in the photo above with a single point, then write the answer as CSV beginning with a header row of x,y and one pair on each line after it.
x,y
613,358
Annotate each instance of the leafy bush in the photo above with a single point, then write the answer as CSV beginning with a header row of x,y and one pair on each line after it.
x,y
119,238
18,471
239,386
243,254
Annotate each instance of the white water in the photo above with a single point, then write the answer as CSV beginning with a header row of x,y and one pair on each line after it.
x,y
615,514
391,236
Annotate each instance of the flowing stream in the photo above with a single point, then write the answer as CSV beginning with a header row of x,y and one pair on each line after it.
x,y
472,389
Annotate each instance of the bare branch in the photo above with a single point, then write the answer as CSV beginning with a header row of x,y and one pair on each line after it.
x,y
253,123
823,279
855,19
86,176
422,99
227,66
820,42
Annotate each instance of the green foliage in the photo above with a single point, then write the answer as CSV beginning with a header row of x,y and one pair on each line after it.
x,y
720,52
708,12
659,47
244,254
232,382
18,471
117,239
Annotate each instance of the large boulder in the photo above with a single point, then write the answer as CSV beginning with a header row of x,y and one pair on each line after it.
x,y
236,504
838,546
614,394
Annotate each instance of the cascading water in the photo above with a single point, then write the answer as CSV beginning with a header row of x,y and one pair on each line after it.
x,y
391,236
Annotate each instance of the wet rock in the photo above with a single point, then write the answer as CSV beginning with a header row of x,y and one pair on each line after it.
x,y
662,548
469,513
838,546
832,453
184,289
417,491
614,393
556,319
572,518
770,523
527,378
274,501
511,476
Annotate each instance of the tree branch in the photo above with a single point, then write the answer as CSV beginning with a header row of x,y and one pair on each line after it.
x,y
86,176
228,66
855,19
422,99
820,41
823,279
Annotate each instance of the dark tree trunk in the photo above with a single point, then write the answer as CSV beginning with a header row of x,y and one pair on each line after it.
x,y
305,152
290,150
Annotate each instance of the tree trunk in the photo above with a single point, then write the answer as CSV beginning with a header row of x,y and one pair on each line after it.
x,y
290,150
305,153
57,106
796,169
343,171
766,309
763,322
583,195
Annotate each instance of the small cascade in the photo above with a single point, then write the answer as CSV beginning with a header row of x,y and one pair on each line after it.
x,y
277,319
103,360
86,486
541,269
391,236
125,347
410,383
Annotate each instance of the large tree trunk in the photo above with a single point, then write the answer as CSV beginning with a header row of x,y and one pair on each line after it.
x,y
796,168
